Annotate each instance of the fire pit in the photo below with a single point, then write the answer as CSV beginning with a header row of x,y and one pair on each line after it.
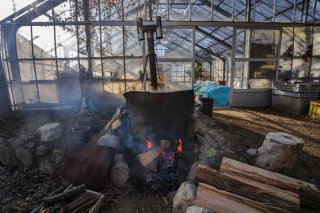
x,y
162,125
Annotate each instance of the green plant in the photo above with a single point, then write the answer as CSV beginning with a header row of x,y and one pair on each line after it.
x,y
211,153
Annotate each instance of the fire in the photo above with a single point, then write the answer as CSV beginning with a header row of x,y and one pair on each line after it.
x,y
179,146
148,144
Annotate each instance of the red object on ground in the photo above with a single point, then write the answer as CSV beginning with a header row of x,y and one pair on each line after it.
x,y
222,82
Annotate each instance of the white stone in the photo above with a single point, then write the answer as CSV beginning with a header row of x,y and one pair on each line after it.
x,y
111,141
184,197
50,132
197,209
119,172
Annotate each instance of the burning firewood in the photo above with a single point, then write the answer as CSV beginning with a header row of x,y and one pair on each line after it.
x,y
149,156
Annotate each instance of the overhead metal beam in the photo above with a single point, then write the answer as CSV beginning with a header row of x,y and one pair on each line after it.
x,y
213,37
21,11
39,10
209,51
216,8
197,45
173,24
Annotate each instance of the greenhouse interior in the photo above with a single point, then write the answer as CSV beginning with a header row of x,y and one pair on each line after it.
x,y
159,106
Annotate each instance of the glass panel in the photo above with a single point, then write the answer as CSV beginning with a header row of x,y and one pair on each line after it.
x,y
240,10
114,75
69,82
65,11
217,67
284,71
261,74
23,39
287,43
241,44
285,11
96,68
176,43
49,92
163,9
111,10
262,10
241,75
264,43
302,41
300,69
82,41
201,10
222,10
133,9
46,69
47,17
179,10
315,70
176,75
134,74
43,42
28,82
112,42
95,42
66,40
26,71
133,46
313,11
316,41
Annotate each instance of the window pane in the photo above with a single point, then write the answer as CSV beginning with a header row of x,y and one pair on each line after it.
x,y
261,74
24,42
112,42
264,43
134,74
43,42
179,10
46,69
66,39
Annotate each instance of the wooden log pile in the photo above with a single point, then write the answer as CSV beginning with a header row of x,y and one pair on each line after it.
x,y
73,199
239,187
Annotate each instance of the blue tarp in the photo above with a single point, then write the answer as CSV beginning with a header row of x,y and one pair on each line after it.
x,y
219,93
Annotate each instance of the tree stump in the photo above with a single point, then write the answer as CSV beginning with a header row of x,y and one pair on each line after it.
x,y
279,152
50,132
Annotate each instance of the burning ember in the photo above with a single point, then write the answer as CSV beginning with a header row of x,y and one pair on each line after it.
x,y
148,144
179,146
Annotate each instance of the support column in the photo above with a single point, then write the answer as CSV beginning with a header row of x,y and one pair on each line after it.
x,y
5,106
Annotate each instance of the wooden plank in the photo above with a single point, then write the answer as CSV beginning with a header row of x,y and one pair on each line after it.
x,y
254,173
149,156
216,202
309,194
260,206
256,191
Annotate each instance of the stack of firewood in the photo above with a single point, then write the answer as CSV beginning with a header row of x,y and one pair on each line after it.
x,y
239,187
72,199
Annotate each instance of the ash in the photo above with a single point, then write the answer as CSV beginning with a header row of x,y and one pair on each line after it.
x,y
165,180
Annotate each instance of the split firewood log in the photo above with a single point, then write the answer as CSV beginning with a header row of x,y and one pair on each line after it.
x,y
222,201
308,193
257,191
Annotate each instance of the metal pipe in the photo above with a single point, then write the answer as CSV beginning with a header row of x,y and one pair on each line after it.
x,y
152,60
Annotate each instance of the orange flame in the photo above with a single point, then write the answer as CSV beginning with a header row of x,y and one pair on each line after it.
x,y
179,146
148,144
